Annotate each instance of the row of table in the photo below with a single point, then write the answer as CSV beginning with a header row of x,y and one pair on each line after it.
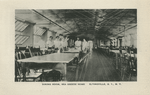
x,y
117,53
54,58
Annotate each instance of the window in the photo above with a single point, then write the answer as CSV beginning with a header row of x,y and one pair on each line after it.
x,y
20,39
39,31
20,26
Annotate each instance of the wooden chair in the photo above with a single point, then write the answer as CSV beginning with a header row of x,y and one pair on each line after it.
x,y
17,66
113,56
19,71
38,51
35,51
40,68
123,67
56,50
133,68
49,51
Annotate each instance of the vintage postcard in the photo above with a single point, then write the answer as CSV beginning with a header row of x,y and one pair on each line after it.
x,y
87,47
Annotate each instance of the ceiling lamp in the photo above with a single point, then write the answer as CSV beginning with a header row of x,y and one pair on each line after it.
x,y
101,13
98,24
100,19
96,27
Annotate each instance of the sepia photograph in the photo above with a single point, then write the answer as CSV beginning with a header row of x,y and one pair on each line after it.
x,y
75,45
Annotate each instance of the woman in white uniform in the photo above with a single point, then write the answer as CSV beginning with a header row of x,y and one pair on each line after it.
x,y
50,44
78,44
84,46
61,40
65,43
57,44
90,45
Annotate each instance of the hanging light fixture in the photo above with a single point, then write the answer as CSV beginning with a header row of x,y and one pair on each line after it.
x,y
101,15
96,27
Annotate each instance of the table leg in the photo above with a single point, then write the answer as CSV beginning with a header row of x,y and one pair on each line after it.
x,y
65,68
42,76
77,70
23,71
116,61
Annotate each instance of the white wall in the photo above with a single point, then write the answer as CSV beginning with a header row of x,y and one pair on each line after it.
x,y
28,32
130,37
40,40
51,34
108,43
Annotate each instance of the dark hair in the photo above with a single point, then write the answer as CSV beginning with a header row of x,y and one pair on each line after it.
x,y
60,34
85,39
51,37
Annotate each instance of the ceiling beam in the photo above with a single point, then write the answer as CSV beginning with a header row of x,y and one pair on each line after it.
x,y
22,20
105,18
82,21
113,14
88,12
97,15
123,31
63,20
85,19
117,21
126,29
43,23
76,24
84,15
49,19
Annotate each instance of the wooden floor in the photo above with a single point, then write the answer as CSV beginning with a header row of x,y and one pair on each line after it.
x,y
100,67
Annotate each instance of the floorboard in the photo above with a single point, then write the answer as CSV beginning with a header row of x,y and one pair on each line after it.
x,y
100,67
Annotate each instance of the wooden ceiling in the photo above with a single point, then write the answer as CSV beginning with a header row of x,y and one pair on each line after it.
x,y
103,23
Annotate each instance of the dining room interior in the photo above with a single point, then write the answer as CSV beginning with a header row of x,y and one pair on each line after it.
x,y
75,45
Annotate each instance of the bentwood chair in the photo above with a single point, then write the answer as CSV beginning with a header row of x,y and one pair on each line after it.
x,y
114,59
19,71
127,68
35,51
133,67
50,50
124,67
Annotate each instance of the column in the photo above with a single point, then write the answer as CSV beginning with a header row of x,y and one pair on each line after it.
x,y
120,42
117,42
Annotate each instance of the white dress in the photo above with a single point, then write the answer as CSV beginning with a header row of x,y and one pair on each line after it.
x,y
78,45
50,43
90,45
65,42
84,46
57,44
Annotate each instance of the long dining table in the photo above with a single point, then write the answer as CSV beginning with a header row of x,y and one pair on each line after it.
x,y
72,50
49,59
117,52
